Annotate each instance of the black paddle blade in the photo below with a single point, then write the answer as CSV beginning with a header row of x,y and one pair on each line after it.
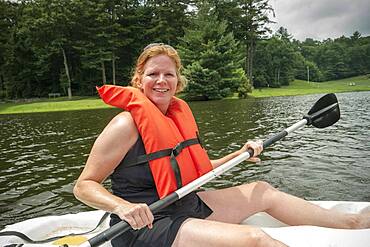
x,y
325,112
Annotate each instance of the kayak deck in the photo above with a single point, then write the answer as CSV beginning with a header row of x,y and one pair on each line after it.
x,y
302,236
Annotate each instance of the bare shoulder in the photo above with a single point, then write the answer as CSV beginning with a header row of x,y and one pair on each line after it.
x,y
110,147
121,128
123,121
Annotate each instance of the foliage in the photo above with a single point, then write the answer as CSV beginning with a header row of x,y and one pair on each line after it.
x,y
339,58
245,86
248,20
90,39
211,57
51,46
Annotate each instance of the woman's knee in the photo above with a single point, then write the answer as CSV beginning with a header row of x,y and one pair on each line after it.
x,y
261,193
259,186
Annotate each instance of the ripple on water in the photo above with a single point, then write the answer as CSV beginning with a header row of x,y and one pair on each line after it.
x,y
43,154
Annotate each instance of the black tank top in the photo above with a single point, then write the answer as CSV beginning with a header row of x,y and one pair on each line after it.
x,y
135,183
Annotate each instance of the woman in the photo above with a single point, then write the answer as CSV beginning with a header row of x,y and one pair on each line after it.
x,y
205,218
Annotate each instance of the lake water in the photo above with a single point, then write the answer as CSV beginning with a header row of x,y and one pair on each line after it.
x,y
42,154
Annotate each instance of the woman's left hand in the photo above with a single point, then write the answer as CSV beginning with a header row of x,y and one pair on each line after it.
x,y
256,146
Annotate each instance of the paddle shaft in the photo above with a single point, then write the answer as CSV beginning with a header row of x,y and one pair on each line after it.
x,y
123,226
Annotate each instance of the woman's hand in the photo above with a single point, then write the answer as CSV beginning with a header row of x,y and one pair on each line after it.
x,y
256,146
137,215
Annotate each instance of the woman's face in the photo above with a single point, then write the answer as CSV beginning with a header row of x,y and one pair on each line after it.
x,y
159,81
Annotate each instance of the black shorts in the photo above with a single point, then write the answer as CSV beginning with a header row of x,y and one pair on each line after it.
x,y
166,224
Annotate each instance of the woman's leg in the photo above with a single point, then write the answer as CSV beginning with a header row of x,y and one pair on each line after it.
x,y
233,205
197,232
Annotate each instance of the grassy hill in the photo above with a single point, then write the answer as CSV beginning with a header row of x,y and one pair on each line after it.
x,y
298,87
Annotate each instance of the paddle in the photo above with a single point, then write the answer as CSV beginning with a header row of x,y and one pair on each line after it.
x,y
324,113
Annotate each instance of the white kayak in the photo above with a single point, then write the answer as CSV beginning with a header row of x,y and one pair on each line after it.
x,y
300,236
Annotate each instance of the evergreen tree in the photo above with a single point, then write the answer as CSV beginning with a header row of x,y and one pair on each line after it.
x,y
168,20
211,57
248,20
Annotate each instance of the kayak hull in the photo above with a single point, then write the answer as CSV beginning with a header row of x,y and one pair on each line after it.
x,y
302,236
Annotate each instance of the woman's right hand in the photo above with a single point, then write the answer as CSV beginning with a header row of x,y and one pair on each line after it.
x,y
137,215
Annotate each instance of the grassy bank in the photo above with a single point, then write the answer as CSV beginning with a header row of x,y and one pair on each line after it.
x,y
298,87
58,104
360,83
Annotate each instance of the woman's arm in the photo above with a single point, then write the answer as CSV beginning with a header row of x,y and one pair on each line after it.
x,y
107,152
255,145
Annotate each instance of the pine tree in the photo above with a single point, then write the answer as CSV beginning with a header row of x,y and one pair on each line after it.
x,y
211,57
248,20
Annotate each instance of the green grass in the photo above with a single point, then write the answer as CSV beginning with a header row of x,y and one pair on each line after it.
x,y
298,87
58,104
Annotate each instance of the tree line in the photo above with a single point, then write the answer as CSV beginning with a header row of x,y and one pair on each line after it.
x,y
281,59
69,47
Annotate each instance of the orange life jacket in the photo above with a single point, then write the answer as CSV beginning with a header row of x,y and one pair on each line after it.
x,y
171,143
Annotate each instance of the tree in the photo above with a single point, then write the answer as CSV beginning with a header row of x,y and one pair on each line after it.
x,y
211,57
168,20
18,66
358,55
248,21
8,19
330,60
99,31
43,33
245,86
283,34
276,61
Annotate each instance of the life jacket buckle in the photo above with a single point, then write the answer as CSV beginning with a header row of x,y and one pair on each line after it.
x,y
177,149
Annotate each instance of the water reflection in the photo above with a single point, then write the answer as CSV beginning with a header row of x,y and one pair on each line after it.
x,y
43,154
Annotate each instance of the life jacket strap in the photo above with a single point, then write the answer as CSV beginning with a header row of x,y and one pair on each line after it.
x,y
172,152
176,151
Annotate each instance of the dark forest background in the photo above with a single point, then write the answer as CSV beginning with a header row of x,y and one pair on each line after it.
x,y
69,47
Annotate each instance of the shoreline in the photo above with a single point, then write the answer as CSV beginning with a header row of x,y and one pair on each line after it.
x,y
297,87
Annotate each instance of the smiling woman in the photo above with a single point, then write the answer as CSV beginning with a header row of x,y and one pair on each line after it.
x,y
152,149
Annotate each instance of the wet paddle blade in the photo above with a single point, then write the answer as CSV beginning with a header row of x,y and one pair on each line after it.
x,y
325,112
